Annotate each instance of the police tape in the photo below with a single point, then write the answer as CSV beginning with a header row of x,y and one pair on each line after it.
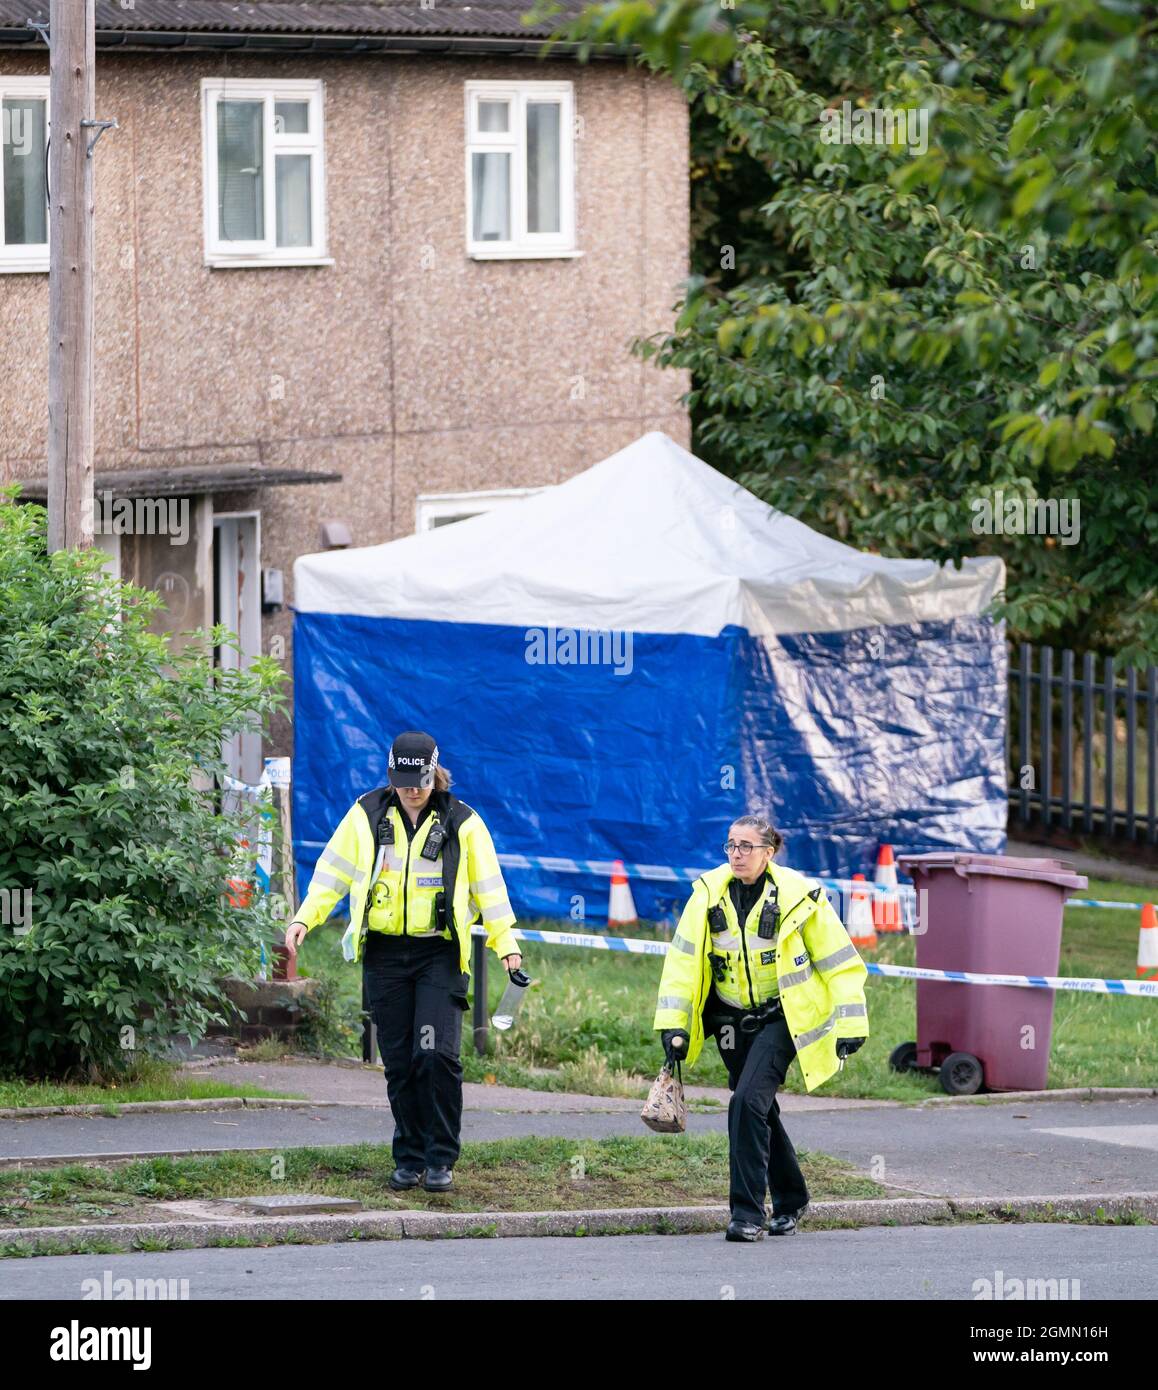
x,y
637,946
602,868
1144,988
663,873
633,945
1099,902
660,873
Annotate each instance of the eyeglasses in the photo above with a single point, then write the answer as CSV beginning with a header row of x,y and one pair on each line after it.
x,y
743,847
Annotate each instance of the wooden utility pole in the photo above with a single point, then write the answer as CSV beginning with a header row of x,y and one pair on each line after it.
x,y
71,99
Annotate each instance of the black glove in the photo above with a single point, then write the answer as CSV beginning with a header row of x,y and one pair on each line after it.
x,y
845,1047
674,1054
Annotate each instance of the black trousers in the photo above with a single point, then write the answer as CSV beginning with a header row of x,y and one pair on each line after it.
x,y
417,996
761,1156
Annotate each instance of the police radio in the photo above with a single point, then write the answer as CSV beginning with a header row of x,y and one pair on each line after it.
x,y
434,841
770,916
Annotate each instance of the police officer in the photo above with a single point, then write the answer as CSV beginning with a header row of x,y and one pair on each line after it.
x,y
419,867
761,962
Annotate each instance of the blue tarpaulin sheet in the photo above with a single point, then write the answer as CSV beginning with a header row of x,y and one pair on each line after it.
x,y
886,724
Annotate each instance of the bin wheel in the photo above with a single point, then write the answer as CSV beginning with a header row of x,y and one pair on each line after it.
x,y
903,1057
961,1074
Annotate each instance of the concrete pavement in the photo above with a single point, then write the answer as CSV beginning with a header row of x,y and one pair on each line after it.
x,y
61,1135
365,1085
1018,1149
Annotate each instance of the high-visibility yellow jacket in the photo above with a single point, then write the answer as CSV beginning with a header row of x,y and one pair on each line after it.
x,y
818,972
392,887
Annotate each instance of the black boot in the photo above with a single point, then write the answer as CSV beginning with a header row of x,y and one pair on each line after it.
x,y
785,1224
403,1178
744,1230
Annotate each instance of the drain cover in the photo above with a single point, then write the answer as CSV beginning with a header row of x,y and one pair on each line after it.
x,y
292,1204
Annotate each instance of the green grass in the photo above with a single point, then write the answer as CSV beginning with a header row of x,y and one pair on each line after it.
x,y
511,1175
150,1080
530,1174
1100,1040
588,1024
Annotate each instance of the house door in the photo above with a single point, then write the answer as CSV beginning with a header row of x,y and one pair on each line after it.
x,y
237,604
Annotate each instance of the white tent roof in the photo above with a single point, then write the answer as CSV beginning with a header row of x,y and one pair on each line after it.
x,y
650,540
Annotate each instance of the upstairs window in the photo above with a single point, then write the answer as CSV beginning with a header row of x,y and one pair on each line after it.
x,y
23,173
520,169
264,172
434,509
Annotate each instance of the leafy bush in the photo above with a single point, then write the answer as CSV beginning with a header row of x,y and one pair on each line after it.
x,y
890,339
330,1026
111,832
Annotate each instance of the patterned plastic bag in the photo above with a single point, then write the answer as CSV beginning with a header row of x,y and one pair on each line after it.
x,y
665,1110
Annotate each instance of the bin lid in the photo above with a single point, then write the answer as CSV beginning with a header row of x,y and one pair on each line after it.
x,y
1056,871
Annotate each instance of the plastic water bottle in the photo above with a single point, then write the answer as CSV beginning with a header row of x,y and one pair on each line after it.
x,y
503,1017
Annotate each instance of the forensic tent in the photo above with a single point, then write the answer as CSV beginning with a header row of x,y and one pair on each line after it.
x,y
618,666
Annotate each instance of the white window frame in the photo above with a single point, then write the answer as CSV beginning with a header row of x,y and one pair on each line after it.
x,y
241,750
432,507
24,259
523,245
241,254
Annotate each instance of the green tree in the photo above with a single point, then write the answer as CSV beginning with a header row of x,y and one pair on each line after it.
x,y
110,834
884,336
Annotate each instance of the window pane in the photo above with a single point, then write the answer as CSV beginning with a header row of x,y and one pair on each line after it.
x,y
25,195
543,212
494,116
241,213
491,180
293,199
291,117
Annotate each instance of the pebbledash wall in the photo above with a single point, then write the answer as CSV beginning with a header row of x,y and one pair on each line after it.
x,y
405,365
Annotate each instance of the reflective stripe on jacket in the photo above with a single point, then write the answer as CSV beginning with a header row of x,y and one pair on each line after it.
x,y
354,860
819,972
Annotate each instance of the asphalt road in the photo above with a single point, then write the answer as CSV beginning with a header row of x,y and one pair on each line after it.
x,y
918,1263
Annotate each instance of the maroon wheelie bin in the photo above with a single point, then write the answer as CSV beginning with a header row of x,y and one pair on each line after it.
x,y
988,914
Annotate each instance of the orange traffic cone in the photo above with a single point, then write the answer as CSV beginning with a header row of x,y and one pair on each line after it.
x,y
887,898
860,914
239,891
621,908
1148,944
